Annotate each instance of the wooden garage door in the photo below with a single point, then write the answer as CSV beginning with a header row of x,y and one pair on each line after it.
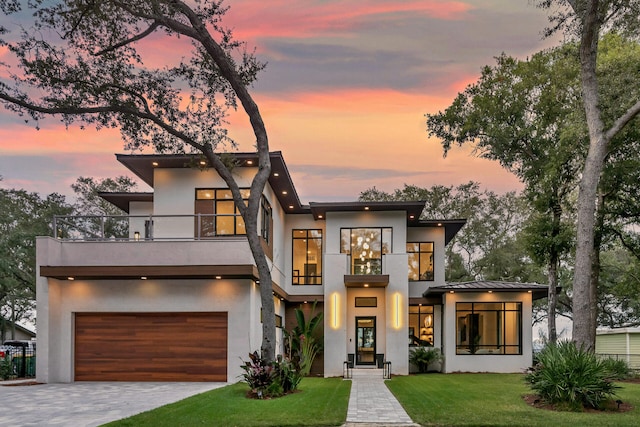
x,y
151,347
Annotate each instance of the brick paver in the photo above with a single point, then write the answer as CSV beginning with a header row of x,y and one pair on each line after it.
x,y
372,404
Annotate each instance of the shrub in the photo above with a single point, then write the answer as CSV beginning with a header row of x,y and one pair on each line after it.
x,y
270,379
300,341
422,357
618,368
6,368
571,377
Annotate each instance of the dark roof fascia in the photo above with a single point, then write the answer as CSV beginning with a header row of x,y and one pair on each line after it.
x,y
538,290
280,179
451,226
122,199
413,209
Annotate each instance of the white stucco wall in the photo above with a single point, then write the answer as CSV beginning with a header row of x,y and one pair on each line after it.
x,y
392,311
236,297
486,362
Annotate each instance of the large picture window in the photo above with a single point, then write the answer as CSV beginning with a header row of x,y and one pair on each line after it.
x,y
217,214
488,328
366,247
420,261
307,257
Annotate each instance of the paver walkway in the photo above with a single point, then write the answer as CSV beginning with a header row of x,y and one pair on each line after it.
x,y
372,404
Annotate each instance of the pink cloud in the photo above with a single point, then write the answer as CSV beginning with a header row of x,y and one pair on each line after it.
x,y
280,18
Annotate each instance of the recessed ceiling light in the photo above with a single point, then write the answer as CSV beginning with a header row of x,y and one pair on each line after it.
x,y
276,174
366,285
451,292
154,163
490,292
284,192
319,216
411,216
218,277
439,224
71,278
249,162
290,206
366,208
202,163
143,277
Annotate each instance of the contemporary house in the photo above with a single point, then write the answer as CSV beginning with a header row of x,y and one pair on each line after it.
x,y
170,292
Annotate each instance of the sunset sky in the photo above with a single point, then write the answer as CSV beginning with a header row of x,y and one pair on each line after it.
x,y
343,96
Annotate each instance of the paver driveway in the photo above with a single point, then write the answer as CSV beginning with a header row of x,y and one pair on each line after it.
x,y
88,403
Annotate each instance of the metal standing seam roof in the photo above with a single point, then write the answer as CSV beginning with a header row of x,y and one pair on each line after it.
x,y
538,290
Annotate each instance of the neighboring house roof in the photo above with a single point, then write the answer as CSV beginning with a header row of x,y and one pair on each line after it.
x,y
538,290
22,329
633,330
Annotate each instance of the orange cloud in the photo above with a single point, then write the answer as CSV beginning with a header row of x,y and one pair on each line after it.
x,y
282,18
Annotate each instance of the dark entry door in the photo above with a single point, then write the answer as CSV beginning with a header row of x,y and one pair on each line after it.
x,y
365,340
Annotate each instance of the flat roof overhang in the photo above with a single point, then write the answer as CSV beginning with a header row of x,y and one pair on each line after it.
x,y
537,290
366,280
137,272
143,166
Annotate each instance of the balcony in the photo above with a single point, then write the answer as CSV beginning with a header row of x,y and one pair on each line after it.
x,y
365,272
147,227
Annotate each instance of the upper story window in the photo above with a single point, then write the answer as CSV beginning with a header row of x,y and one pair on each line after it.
x,y
420,261
489,328
366,247
218,215
266,220
307,257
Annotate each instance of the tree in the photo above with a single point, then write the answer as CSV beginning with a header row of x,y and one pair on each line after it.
x,y
492,223
527,115
100,216
24,216
516,113
587,19
88,62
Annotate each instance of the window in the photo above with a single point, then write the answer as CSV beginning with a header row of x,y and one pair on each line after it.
x,y
217,214
420,325
489,328
266,223
420,261
307,257
366,247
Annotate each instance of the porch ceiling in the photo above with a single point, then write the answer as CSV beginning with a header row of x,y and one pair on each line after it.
x,y
366,280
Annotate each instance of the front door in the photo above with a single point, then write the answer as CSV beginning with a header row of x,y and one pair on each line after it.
x,y
365,340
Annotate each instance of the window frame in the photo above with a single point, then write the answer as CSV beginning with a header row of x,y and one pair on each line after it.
x,y
501,333
266,219
295,273
237,217
420,252
424,310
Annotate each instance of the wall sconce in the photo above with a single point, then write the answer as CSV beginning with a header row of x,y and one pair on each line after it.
x,y
136,236
335,314
397,299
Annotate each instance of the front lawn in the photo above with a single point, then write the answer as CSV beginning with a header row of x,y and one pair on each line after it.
x,y
494,400
320,402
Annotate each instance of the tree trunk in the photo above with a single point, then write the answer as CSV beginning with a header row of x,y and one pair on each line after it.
x,y
552,275
583,303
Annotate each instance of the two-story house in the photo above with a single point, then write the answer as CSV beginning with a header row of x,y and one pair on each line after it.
x,y
170,292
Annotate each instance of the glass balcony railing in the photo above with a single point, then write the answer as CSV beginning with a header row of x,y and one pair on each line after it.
x,y
146,227
364,266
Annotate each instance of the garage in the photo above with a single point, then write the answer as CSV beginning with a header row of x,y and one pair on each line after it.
x,y
151,346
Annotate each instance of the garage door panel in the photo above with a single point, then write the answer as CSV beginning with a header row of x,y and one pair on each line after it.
x,y
151,347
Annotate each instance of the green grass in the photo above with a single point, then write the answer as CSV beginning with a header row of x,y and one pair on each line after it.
x,y
320,402
494,400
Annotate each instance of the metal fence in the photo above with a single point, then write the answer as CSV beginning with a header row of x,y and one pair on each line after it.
x,y
20,361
